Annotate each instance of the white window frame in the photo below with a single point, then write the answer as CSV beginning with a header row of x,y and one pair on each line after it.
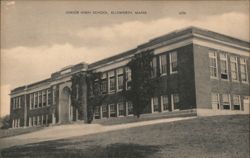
x,y
162,105
234,60
152,104
111,74
104,78
121,104
112,112
229,99
119,73
239,98
172,101
224,58
213,55
128,73
243,61
54,95
171,61
218,106
48,94
127,108
160,63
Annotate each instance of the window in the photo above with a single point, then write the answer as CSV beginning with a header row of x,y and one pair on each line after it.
x,y
243,70
121,109
31,100
236,102
163,64
104,83
165,103
175,102
104,111
54,94
111,76
40,99
97,112
13,103
112,110
154,67
246,103
30,121
44,98
234,68
213,64
19,102
38,120
226,101
155,104
36,100
173,62
130,108
42,120
223,66
49,97
119,73
128,77
34,121
46,119
215,101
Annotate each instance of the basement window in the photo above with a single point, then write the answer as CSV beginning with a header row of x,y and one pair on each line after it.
x,y
236,102
226,101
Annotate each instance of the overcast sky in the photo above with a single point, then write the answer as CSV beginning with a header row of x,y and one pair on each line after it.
x,y
40,37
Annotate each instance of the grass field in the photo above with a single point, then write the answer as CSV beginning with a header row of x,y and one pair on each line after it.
x,y
208,137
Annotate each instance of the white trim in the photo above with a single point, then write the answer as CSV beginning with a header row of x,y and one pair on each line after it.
x,y
220,42
221,47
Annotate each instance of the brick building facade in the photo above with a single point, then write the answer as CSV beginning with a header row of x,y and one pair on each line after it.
x,y
196,70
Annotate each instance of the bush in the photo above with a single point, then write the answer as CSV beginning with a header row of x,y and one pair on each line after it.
x,y
6,123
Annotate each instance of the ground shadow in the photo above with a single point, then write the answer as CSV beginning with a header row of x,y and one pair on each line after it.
x,y
64,149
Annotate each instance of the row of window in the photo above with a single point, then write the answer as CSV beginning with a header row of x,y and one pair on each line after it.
x,y
16,123
16,102
158,104
40,120
162,103
42,98
114,80
224,101
114,110
237,70
163,64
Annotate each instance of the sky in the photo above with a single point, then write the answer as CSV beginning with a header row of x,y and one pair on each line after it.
x,y
41,37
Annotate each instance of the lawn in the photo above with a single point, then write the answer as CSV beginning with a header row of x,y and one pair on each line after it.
x,y
207,137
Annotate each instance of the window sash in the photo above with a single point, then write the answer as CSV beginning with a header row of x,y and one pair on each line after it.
x,y
243,70
120,82
234,68
163,64
165,102
213,64
154,67
173,62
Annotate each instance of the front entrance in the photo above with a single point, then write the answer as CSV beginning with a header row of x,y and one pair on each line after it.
x,y
64,106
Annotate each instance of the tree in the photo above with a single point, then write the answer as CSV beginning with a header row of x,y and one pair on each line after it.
x,y
142,86
6,122
94,96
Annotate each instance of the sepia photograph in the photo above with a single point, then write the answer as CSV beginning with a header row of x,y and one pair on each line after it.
x,y
125,79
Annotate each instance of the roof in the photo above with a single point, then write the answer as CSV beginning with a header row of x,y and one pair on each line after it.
x,y
186,31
